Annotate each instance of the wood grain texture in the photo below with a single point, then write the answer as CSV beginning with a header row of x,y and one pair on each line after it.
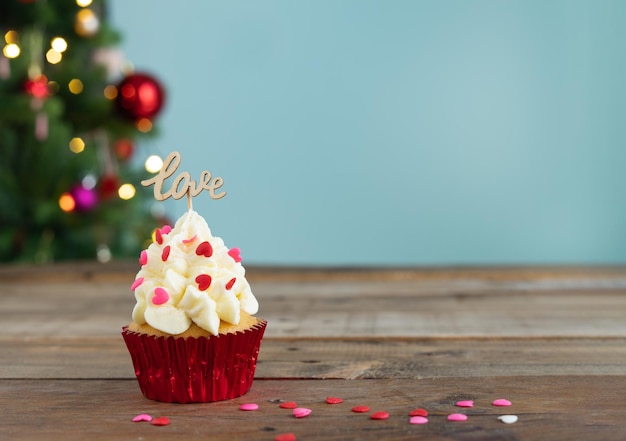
x,y
338,358
555,408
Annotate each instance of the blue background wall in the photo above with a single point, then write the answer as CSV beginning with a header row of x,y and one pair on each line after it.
x,y
396,132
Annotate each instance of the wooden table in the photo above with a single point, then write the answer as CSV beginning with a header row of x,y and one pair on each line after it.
x,y
550,340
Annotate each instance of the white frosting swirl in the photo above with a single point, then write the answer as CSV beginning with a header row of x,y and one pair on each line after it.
x,y
188,275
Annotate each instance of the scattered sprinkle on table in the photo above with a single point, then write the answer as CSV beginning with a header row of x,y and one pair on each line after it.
x,y
465,403
301,412
501,402
334,400
360,409
160,421
380,415
419,412
249,406
288,405
508,419
142,417
285,437
418,419
457,417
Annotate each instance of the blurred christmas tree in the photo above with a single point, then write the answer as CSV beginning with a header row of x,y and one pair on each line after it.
x,y
69,119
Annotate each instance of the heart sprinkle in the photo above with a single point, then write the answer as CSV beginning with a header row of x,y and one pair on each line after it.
x,y
508,419
465,403
249,406
230,283
301,412
501,402
203,281
380,415
158,237
419,412
142,417
166,229
191,239
160,296
138,281
334,400
166,253
288,405
285,437
418,419
161,421
235,253
457,417
143,258
204,249
360,409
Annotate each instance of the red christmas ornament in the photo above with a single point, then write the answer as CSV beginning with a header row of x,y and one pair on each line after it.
x,y
124,148
139,96
109,184
37,87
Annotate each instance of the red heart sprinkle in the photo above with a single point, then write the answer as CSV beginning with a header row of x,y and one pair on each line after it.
x,y
166,253
191,239
288,405
334,400
203,281
158,236
419,412
230,283
379,415
285,437
235,253
160,421
160,296
360,409
204,249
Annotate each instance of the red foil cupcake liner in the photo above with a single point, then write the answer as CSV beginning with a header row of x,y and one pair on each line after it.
x,y
195,370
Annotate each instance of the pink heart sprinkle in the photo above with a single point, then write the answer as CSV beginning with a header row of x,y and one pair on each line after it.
x,y
249,406
457,417
191,239
142,417
143,258
501,402
166,229
418,419
235,253
138,281
160,296
301,412
465,403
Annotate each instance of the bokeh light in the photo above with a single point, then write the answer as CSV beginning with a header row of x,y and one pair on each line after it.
x,y
153,164
126,191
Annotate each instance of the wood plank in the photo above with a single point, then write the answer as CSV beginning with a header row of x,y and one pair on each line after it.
x,y
561,408
321,358
350,308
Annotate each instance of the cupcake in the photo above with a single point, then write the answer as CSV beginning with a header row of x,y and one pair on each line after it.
x,y
193,335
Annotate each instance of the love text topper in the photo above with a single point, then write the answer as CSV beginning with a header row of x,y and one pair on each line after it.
x,y
183,184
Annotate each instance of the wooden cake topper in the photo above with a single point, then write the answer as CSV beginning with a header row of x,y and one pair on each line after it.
x,y
183,184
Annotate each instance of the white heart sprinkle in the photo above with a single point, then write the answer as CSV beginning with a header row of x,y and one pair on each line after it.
x,y
508,419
